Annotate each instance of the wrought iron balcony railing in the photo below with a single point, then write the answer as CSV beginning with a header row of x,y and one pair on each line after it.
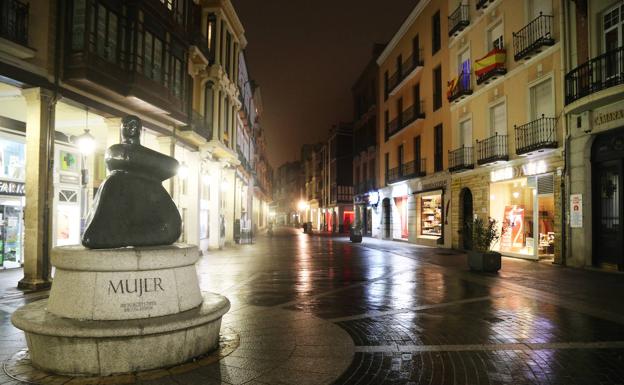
x,y
460,87
482,4
14,21
492,149
533,36
599,73
461,159
459,19
365,186
407,117
199,125
537,135
410,65
201,42
409,170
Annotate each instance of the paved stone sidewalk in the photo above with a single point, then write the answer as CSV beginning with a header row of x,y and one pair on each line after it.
x,y
318,310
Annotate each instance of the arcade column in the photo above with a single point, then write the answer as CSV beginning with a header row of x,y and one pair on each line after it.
x,y
40,107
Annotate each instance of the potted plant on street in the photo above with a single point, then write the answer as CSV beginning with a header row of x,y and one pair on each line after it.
x,y
355,234
484,235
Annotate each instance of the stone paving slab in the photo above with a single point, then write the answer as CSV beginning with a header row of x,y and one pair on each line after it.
x,y
320,310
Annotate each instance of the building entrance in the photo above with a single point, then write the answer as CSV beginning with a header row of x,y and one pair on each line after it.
x,y
608,200
11,232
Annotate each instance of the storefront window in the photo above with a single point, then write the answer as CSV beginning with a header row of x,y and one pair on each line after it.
x,y
431,215
401,207
12,156
511,204
546,226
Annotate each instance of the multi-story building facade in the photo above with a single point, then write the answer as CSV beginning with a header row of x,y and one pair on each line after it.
x,y
506,100
365,145
243,207
337,174
288,192
311,158
594,138
216,102
414,135
263,172
71,70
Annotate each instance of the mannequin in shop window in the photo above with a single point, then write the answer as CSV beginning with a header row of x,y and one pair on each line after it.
x,y
131,207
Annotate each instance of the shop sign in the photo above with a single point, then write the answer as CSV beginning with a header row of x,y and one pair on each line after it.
x,y
576,210
69,179
434,185
503,174
535,168
12,188
373,198
608,117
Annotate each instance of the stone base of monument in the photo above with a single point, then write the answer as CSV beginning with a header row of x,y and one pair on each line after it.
x,y
123,310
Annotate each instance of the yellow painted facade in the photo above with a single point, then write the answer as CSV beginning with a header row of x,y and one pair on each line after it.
x,y
510,104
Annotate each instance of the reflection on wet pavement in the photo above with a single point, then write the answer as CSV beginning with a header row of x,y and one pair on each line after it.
x,y
413,315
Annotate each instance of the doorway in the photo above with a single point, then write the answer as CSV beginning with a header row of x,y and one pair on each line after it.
x,y
608,200
387,218
467,215
11,232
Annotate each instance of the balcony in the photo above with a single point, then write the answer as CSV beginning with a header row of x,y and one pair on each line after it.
x,y
409,170
459,19
408,70
14,21
483,4
461,159
533,37
410,115
459,88
491,66
365,186
597,74
492,149
536,136
199,41
110,69
198,128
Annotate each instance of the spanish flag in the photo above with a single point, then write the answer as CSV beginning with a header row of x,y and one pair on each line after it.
x,y
494,59
450,86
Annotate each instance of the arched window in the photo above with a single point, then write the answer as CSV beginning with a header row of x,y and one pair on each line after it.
x,y
208,102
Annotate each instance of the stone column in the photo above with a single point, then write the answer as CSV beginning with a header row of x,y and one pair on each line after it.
x,y
39,189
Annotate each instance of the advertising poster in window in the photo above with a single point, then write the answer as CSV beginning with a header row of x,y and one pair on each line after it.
x,y
512,238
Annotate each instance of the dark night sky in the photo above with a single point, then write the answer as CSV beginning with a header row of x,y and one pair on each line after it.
x,y
306,55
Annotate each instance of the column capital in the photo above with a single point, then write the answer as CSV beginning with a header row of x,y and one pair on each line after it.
x,y
35,94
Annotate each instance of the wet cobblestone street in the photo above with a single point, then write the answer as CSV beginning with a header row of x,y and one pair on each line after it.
x,y
319,309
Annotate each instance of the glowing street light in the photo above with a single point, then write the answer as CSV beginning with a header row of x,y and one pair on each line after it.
x,y
85,143
302,205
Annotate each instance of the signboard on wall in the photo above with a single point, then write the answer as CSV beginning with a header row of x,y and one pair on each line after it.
x,y
12,188
576,210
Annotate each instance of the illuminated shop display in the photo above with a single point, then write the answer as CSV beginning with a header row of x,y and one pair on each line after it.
x,y
12,191
525,214
431,215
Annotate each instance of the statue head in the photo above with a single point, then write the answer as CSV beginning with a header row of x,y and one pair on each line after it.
x,y
130,129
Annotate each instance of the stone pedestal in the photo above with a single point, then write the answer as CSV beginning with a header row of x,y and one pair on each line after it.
x,y
121,310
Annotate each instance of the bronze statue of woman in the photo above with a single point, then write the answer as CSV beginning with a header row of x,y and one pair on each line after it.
x,y
131,207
